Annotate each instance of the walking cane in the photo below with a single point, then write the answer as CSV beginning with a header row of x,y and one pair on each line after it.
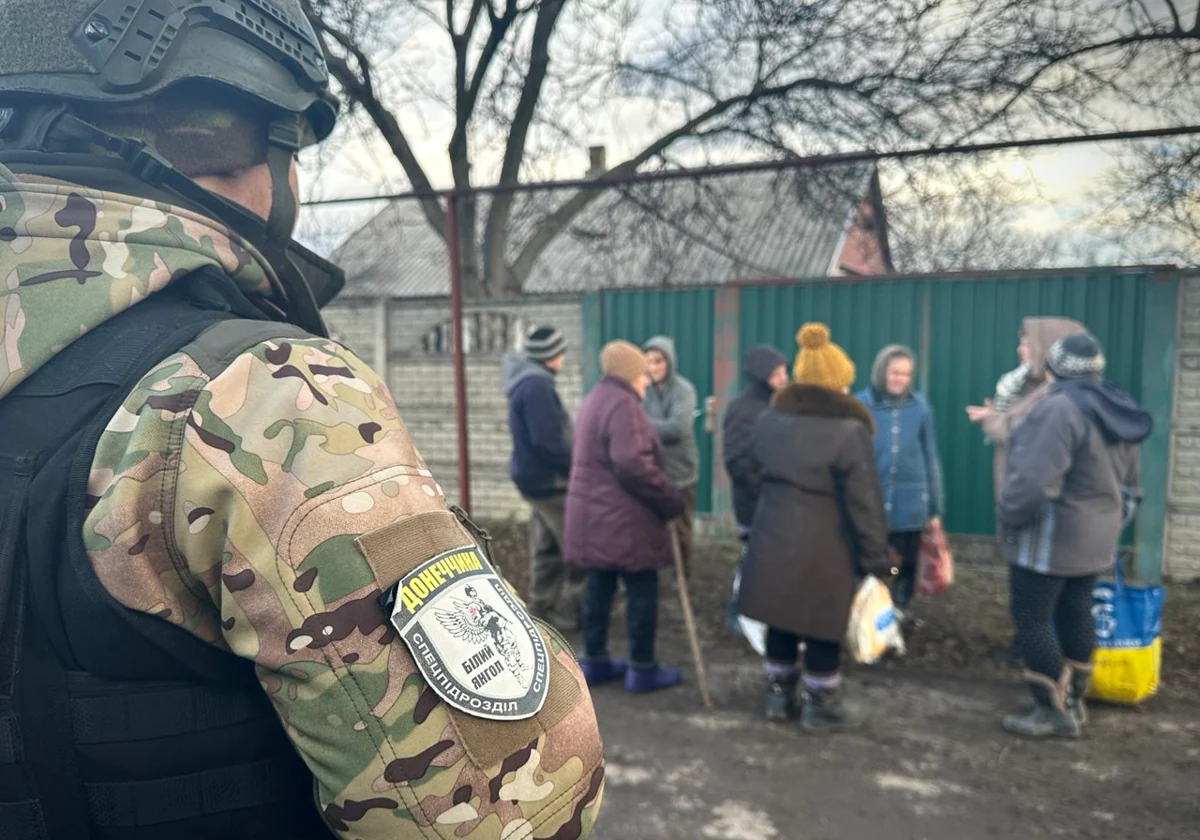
x,y
685,601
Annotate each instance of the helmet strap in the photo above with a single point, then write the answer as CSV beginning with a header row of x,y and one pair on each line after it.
x,y
283,143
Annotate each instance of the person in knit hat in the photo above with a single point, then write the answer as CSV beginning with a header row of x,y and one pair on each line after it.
x,y
619,507
818,525
1016,394
1070,487
540,465
820,362
765,371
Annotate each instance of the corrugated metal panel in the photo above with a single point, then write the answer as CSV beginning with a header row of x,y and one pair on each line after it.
x,y
973,340
687,317
862,317
964,330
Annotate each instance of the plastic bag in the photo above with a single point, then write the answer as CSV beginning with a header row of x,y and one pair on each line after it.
x,y
873,629
1127,661
935,573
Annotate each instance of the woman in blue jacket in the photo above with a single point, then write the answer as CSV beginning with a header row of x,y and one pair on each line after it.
x,y
906,458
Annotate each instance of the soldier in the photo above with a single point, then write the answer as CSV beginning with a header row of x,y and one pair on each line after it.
x,y
225,570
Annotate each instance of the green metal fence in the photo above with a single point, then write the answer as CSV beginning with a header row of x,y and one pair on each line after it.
x,y
964,329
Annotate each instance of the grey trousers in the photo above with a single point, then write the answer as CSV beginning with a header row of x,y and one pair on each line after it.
x,y
555,589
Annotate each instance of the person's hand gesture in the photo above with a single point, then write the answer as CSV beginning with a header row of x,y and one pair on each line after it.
x,y
976,413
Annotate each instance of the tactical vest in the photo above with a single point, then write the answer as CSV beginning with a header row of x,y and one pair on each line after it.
x,y
114,723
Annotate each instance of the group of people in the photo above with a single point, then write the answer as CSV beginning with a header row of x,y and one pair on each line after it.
x,y
829,488
611,494
828,485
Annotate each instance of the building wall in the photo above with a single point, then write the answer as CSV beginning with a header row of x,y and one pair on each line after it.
x,y
861,252
1182,544
414,338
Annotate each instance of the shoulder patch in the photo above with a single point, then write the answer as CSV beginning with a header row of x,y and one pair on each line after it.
x,y
474,644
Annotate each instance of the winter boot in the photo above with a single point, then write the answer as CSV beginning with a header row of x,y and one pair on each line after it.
x,y
827,710
654,678
1041,719
599,671
781,697
1081,678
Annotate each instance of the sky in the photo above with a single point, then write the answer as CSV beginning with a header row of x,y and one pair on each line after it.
x,y
1058,185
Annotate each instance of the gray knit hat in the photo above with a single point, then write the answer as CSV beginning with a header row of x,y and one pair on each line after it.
x,y
543,344
1076,356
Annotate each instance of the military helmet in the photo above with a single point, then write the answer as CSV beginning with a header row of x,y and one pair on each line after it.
x,y
126,51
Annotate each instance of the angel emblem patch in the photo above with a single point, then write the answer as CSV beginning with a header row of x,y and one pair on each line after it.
x,y
473,643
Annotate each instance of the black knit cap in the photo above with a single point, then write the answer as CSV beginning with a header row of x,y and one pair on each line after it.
x,y
1076,356
544,344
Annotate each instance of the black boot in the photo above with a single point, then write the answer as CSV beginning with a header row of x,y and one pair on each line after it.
x,y
826,709
780,702
1047,716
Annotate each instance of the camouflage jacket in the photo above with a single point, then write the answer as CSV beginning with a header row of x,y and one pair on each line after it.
x,y
234,506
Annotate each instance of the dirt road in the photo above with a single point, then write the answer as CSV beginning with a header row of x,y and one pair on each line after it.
x,y
933,764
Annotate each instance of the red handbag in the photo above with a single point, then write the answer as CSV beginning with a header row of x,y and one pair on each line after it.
x,y
936,570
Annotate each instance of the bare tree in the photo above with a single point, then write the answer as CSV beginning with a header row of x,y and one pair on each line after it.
x,y
776,77
954,215
1148,208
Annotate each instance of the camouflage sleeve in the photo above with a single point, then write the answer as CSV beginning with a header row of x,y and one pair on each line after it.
x,y
231,508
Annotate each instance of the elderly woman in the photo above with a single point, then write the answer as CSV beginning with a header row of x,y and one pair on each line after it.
x,y
906,459
619,504
1017,393
819,525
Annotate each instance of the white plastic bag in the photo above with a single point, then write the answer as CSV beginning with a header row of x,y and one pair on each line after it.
x,y
754,632
873,629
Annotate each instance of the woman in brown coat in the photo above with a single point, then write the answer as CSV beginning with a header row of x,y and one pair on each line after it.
x,y
819,526
1017,393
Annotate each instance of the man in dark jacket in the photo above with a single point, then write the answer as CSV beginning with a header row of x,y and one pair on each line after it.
x,y
1070,487
765,372
540,466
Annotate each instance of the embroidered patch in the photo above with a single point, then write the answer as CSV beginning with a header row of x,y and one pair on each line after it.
x,y
474,644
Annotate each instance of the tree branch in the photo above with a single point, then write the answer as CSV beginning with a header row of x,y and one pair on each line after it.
x,y
361,89
495,265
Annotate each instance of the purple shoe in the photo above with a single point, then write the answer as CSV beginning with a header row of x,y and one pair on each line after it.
x,y
597,671
643,680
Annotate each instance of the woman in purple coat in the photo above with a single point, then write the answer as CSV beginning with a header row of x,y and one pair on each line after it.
x,y
618,505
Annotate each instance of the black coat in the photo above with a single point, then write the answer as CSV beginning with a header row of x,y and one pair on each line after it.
x,y
738,430
820,520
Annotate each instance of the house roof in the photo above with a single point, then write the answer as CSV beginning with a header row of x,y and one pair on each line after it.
x,y
707,231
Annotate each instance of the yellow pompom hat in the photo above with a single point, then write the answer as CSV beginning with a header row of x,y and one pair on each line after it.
x,y
821,362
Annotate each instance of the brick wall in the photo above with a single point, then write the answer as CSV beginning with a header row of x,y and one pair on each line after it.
x,y
1182,543
422,381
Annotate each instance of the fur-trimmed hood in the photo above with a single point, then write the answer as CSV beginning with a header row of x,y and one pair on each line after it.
x,y
814,401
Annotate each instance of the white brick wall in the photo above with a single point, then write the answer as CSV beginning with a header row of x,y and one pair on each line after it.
x,y
423,387
1182,542
353,323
